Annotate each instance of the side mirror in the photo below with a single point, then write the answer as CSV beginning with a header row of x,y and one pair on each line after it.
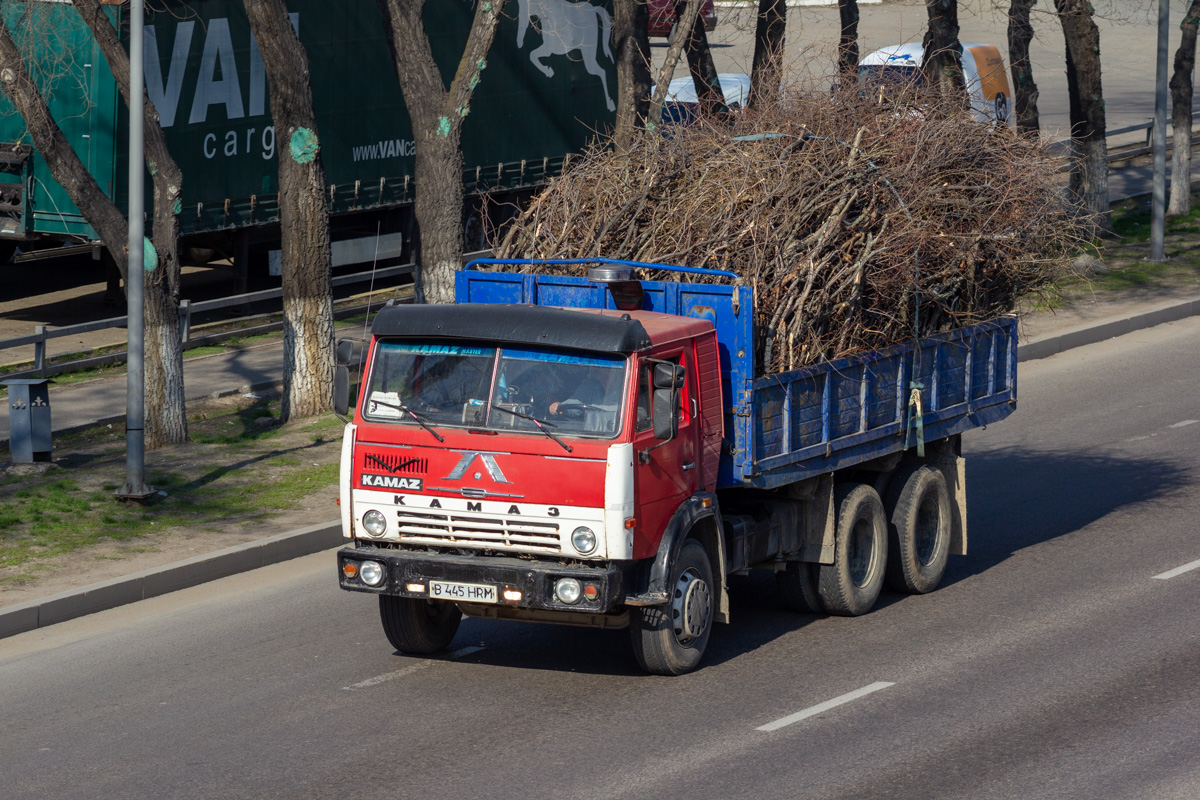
x,y
341,390
343,357
667,380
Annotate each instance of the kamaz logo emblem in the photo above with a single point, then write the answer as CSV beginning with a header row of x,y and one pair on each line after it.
x,y
489,463
391,482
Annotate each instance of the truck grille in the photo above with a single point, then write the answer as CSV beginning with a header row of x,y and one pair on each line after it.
x,y
395,463
479,532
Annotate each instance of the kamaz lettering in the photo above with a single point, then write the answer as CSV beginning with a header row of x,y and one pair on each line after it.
x,y
391,482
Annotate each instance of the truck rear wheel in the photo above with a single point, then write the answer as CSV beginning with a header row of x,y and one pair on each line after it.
x,y
418,626
670,639
796,587
851,584
919,534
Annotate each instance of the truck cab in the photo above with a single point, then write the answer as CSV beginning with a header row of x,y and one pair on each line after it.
x,y
524,462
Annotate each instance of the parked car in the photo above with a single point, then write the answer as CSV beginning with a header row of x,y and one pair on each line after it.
x,y
983,72
662,16
681,106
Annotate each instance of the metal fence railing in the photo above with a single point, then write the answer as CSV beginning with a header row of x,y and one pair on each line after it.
x,y
42,334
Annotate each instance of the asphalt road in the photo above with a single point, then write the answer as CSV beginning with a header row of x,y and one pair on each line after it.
x,y
1053,663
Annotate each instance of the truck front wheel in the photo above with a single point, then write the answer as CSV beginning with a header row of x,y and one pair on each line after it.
x,y
418,626
670,639
851,584
920,531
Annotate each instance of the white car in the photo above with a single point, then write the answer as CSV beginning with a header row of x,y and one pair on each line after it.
x,y
983,72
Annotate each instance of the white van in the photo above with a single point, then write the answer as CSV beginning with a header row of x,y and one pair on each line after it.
x,y
983,72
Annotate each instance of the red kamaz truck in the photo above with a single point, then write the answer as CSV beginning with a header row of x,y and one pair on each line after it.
x,y
600,451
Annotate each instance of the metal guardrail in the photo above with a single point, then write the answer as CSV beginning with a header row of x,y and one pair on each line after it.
x,y
43,333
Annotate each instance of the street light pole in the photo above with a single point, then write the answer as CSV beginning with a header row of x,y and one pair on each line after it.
x,y
1158,220
135,487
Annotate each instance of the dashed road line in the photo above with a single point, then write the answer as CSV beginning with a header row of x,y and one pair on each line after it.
x,y
1185,423
1171,573
823,707
420,665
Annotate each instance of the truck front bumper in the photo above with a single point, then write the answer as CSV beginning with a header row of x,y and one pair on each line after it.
x,y
519,583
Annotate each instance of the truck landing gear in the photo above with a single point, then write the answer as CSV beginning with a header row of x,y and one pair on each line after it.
x,y
670,639
418,626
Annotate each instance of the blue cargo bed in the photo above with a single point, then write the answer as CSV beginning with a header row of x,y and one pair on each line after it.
x,y
790,426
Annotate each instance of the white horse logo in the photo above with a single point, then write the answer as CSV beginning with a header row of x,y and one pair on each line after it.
x,y
565,27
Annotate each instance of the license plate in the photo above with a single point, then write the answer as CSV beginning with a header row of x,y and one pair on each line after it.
x,y
466,592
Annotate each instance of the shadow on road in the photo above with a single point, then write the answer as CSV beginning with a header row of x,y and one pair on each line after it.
x,y
1018,498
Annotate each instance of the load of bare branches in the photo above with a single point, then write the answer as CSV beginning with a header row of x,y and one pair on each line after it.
x,y
858,223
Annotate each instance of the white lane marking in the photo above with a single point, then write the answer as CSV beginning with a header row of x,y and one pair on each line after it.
x,y
1171,573
1185,423
400,673
823,707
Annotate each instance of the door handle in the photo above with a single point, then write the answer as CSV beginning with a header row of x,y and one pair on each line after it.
x,y
687,465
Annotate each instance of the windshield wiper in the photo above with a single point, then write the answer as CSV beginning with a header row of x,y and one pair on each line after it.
x,y
405,409
539,423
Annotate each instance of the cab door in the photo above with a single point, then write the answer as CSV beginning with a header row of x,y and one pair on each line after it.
x,y
665,471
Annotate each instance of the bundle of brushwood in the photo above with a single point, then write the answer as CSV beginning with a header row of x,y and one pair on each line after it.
x,y
858,223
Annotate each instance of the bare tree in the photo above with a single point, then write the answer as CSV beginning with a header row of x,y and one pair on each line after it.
x,y
766,72
942,58
685,20
700,63
1181,113
165,413
1025,91
631,19
303,215
1089,152
437,114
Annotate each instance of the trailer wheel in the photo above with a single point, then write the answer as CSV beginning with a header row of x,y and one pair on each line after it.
x,y
919,533
851,584
670,639
796,587
418,626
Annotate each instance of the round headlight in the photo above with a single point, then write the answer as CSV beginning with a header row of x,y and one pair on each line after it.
x,y
375,522
567,590
584,540
371,573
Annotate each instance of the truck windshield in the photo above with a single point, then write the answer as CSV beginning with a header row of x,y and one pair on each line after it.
x,y
496,388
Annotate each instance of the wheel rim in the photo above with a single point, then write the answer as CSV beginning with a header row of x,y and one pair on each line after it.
x,y
925,534
862,551
691,608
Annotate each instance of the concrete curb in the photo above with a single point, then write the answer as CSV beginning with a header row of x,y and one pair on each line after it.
x,y
1058,343
286,546
170,578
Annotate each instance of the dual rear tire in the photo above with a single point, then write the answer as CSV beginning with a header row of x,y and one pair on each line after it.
x,y
904,543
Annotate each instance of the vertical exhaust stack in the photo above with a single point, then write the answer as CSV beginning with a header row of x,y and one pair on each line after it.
x,y
627,292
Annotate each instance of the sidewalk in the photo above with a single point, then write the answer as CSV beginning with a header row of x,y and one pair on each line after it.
x,y
260,369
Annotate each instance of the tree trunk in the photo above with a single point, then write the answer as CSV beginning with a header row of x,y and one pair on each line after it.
x,y
308,362
631,19
942,58
166,401
1089,152
1025,91
848,43
437,116
700,64
766,73
1181,114
685,22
